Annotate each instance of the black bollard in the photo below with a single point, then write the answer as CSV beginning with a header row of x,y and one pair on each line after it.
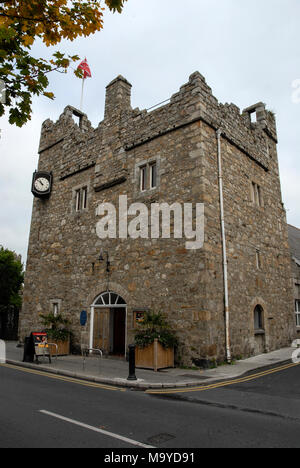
x,y
132,375
28,349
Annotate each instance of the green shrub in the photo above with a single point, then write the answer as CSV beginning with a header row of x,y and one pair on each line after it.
x,y
56,327
155,326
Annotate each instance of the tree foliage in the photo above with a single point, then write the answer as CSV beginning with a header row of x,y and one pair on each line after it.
x,y
11,278
21,24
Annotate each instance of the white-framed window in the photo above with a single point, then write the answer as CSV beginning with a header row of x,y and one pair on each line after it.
x,y
143,178
297,310
84,193
81,198
148,174
78,200
153,175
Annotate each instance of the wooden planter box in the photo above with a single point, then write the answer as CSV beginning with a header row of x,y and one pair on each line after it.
x,y
63,348
154,357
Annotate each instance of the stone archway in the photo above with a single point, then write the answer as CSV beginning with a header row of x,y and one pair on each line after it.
x,y
108,323
259,326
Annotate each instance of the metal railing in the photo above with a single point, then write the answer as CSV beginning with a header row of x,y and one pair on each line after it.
x,y
56,347
85,352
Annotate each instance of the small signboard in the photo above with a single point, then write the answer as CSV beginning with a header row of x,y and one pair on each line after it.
x,y
40,341
139,317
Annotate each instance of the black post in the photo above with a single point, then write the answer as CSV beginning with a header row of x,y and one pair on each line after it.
x,y
28,349
132,375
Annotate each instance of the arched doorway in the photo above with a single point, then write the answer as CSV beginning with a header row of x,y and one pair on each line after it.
x,y
108,329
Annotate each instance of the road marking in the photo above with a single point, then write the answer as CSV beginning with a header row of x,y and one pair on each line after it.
x,y
222,384
85,383
96,429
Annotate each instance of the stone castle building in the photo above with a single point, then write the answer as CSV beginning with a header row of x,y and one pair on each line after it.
x,y
232,297
294,241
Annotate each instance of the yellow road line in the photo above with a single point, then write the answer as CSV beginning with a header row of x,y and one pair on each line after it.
x,y
224,383
85,383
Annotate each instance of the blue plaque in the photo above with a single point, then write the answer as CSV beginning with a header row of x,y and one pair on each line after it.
x,y
83,318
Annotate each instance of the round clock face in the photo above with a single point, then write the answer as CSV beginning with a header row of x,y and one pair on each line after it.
x,y
42,184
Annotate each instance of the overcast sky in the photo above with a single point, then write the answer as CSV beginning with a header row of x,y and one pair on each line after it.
x,y
249,51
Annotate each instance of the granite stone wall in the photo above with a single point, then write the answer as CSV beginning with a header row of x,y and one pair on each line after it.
x,y
162,274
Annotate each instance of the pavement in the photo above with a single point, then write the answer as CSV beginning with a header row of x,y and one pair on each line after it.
x,y
115,371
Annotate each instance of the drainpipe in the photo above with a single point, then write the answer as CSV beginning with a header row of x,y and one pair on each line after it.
x,y
225,271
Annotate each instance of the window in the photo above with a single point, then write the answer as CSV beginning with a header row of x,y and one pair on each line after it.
x,y
256,194
258,259
84,198
81,196
143,178
253,117
153,175
109,298
55,309
78,199
148,176
297,308
258,318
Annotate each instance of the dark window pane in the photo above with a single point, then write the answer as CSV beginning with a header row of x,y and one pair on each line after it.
x,y
121,301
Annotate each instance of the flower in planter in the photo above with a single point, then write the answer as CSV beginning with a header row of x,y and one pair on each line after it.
x,y
155,326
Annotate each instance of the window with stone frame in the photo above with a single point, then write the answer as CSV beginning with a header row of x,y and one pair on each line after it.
x,y
297,310
148,176
153,175
256,194
55,307
143,178
81,199
258,318
258,259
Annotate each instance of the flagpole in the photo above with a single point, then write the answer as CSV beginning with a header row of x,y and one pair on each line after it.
x,y
81,101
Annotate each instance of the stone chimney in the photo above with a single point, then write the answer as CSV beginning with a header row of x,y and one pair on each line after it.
x,y
118,98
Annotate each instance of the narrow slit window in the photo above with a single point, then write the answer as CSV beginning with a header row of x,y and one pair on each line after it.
x,y
84,198
256,194
143,175
258,260
77,200
297,307
55,309
258,318
153,175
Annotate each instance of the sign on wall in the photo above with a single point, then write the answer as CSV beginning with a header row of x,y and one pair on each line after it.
x,y
83,318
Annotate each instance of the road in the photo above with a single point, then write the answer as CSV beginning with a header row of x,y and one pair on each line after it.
x,y
38,410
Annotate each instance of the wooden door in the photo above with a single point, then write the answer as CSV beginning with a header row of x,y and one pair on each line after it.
x,y
101,329
119,331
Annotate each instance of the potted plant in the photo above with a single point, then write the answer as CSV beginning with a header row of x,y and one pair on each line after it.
x,y
155,342
58,333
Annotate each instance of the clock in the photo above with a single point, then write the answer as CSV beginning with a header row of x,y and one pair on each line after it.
x,y
41,184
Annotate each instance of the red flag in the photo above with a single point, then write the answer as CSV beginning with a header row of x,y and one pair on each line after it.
x,y
84,66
